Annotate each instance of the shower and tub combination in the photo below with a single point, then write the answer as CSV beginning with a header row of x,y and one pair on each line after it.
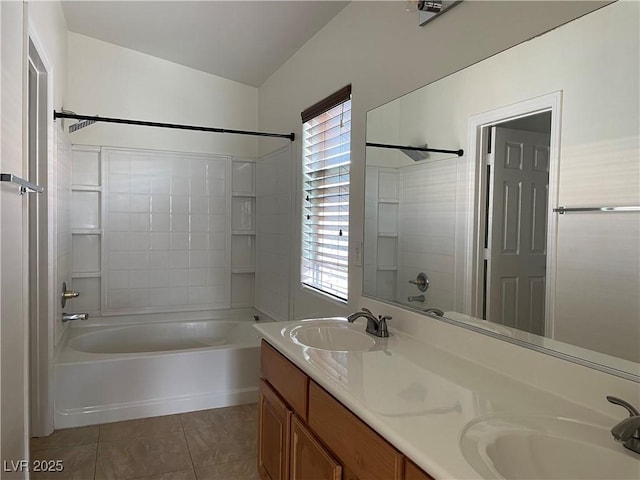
x,y
155,366
164,248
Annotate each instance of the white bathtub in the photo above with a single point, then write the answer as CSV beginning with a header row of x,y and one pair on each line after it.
x,y
113,373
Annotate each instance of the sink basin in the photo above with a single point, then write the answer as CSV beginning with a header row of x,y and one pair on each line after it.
x,y
333,336
529,447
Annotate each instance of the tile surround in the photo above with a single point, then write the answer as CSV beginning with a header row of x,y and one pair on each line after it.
x,y
160,221
218,444
148,221
274,215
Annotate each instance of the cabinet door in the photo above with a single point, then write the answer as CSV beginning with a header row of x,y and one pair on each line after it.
x,y
273,435
413,472
309,459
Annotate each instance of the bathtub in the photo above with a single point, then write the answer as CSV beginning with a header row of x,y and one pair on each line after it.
x,y
112,373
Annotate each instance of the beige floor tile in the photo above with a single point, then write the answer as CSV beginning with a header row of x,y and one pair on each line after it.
x,y
142,456
78,461
143,427
68,437
240,470
220,416
181,475
216,445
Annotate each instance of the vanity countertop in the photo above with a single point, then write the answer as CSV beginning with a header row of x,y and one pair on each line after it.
x,y
420,398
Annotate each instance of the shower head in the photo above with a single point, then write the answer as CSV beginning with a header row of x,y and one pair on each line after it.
x,y
78,125
81,124
416,155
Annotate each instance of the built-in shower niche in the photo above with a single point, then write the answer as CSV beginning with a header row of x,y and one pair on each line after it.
x,y
86,228
381,256
243,232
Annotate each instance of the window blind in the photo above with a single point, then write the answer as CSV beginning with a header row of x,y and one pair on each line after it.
x,y
325,223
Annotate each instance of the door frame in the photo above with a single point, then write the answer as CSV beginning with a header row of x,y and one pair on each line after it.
x,y
42,303
478,139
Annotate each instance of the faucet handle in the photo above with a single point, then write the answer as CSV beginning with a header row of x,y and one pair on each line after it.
x,y
382,325
633,411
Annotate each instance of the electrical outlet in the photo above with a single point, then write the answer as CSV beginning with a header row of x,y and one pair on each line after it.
x,y
357,254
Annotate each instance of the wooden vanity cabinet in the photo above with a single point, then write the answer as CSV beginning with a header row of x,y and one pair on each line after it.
x,y
306,434
289,381
413,472
273,435
366,454
309,459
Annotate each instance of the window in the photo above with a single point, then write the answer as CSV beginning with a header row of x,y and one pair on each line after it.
x,y
326,157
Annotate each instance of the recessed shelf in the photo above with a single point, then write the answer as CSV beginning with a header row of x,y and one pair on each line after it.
x,y
243,194
390,268
244,232
86,188
388,234
242,305
86,231
243,270
388,200
86,275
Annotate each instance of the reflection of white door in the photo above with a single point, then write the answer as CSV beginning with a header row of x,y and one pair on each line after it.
x,y
516,253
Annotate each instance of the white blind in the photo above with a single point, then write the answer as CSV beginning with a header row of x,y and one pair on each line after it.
x,y
325,224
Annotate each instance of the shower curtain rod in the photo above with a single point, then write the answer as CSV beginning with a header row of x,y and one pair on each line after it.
x,y
56,115
417,149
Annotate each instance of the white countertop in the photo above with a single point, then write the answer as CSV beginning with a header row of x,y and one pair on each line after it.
x,y
421,398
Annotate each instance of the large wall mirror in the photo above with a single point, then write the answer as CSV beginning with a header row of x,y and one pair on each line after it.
x,y
533,233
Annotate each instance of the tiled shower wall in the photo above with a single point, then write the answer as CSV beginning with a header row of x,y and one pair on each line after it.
x,y
62,212
403,238
160,231
273,233
427,243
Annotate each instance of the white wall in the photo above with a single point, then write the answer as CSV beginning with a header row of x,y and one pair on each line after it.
x,y
380,50
13,288
112,81
44,22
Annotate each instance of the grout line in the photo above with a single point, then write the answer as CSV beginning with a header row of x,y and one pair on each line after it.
x,y
95,463
160,474
193,467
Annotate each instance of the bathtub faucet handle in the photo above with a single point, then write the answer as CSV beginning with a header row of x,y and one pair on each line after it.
x,y
67,294
66,317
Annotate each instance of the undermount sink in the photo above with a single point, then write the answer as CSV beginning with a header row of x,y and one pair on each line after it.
x,y
531,447
331,335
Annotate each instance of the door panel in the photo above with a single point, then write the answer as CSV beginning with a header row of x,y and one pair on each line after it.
x,y
273,435
309,459
518,228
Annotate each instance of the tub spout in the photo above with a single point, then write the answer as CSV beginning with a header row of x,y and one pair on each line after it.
x,y
66,317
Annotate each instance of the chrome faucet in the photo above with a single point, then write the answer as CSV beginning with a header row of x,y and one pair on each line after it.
x,y
66,317
628,430
376,327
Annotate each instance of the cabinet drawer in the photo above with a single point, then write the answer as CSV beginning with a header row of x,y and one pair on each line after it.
x,y
287,379
362,451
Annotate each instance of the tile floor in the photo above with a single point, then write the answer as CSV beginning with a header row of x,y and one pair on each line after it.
x,y
217,444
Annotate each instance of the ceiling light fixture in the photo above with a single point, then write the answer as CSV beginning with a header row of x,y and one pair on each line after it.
x,y
429,10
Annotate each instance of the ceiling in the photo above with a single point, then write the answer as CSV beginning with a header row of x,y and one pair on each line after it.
x,y
245,41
